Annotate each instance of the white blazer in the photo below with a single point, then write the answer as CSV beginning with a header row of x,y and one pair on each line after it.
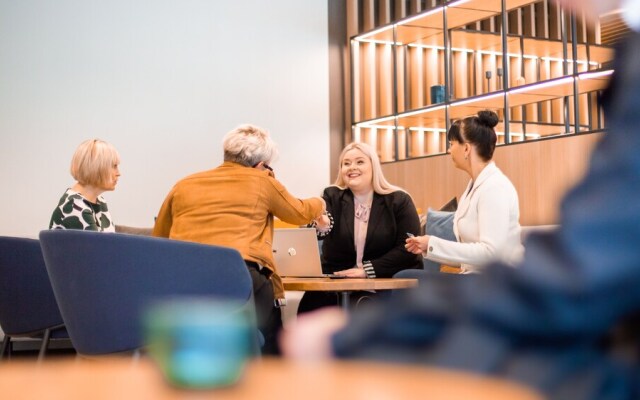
x,y
486,225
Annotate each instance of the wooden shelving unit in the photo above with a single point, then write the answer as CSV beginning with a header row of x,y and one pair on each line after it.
x,y
540,69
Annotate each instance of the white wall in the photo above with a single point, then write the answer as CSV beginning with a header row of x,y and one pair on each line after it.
x,y
163,81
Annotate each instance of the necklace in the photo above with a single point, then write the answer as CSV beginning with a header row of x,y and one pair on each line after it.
x,y
362,210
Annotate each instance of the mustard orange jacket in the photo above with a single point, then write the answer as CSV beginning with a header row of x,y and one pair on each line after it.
x,y
233,205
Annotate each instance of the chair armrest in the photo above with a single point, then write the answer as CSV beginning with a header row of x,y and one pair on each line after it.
x,y
132,230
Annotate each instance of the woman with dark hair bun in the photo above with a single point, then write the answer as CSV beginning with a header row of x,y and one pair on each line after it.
x,y
486,223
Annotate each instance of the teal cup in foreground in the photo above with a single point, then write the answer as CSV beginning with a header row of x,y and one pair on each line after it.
x,y
199,343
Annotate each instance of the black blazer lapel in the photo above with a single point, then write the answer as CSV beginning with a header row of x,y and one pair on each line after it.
x,y
347,213
376,214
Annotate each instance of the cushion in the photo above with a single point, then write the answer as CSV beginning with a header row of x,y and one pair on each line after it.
x,y
439,224
451,205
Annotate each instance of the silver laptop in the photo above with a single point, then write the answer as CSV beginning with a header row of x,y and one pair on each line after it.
x,y
296,253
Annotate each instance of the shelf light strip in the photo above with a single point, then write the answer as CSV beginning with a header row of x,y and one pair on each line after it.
x,y
440,130
543,85
410,113
375,121
495,53
476,99
433,11
418,129
379,42
430,12
556,59
519,134
594,75
366,35
584,76
456,3
486,52
384,127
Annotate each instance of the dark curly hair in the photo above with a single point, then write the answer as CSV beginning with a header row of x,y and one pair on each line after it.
x,y
477,130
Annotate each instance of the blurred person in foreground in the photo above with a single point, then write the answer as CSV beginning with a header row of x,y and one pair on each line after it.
x,y
233,205
559,321
95,166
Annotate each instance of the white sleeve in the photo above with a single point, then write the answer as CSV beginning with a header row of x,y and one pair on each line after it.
x,y
493,209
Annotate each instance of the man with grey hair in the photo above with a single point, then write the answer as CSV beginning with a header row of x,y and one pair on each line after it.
x,y
566,320
233,205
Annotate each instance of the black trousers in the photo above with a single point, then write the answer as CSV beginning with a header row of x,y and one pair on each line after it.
x,y
269,316
314,300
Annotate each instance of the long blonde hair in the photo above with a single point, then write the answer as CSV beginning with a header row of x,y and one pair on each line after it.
x,y
380,184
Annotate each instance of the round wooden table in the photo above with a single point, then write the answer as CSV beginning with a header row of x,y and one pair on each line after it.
x,y
346,286
124,378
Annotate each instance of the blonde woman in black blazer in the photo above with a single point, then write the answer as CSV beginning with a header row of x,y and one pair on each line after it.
x,y
366,224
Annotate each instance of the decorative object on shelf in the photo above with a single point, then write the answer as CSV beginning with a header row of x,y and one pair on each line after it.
x,y
487,75
437,94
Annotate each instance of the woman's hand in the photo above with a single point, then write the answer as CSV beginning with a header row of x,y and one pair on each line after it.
x,y
352,273
323,222
417,244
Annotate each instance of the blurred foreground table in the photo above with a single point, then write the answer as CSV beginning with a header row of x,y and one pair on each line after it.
x,y
347,285
123,378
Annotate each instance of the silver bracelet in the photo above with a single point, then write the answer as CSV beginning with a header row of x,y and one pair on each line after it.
x,y
314,224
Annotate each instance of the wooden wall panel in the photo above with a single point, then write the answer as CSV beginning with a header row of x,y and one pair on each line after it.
x,y
460,76
400,78
400,9
356,93
368,15
384,12
369,81
434,71
417,144
402,144
416,83
415,6
385,80
541,171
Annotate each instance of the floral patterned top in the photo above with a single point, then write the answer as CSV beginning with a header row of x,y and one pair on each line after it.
x,y
76,212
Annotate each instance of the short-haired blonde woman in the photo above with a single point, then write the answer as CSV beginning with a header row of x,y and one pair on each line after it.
x,y
95,167
233,205
366,224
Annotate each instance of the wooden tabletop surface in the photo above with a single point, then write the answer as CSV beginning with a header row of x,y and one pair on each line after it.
x,y
122,378
347,284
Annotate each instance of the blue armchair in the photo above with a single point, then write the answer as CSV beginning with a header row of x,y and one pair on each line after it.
x,y
104,281
28,307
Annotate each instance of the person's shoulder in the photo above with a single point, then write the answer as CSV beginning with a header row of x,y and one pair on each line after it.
x,y
102,203
398,195
499,186
196,175
193,179
71,196
397,200
495,177
501,179
333,190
